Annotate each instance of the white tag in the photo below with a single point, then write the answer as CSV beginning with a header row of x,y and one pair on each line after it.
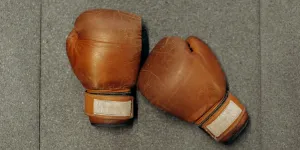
x,y
225,119
112,108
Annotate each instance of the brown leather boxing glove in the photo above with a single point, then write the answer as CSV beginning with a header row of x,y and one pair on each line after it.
x,y
104,50
185,79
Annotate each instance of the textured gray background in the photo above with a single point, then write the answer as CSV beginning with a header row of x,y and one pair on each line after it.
x,y
280,49
19,74
41,101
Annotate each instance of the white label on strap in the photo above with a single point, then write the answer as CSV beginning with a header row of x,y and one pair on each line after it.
x,y
112,108
225,119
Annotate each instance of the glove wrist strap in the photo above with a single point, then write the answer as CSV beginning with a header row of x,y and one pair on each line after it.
x,y
225,119
109,92
108,107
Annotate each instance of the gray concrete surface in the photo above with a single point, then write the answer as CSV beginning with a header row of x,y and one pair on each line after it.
x,y
19,74
255,41
280,33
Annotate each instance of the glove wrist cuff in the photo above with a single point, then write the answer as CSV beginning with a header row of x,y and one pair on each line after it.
x,y
225,120
108,108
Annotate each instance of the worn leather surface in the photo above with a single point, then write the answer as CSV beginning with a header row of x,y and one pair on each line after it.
x,y
185,79
104,50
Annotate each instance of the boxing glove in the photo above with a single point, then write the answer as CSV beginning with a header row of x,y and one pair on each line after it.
x,y
104,50
185,79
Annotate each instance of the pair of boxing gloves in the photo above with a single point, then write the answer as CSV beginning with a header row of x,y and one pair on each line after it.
x,y
182,77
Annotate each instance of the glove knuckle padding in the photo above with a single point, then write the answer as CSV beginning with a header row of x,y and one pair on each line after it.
x,y
106,40
185,79
178,75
